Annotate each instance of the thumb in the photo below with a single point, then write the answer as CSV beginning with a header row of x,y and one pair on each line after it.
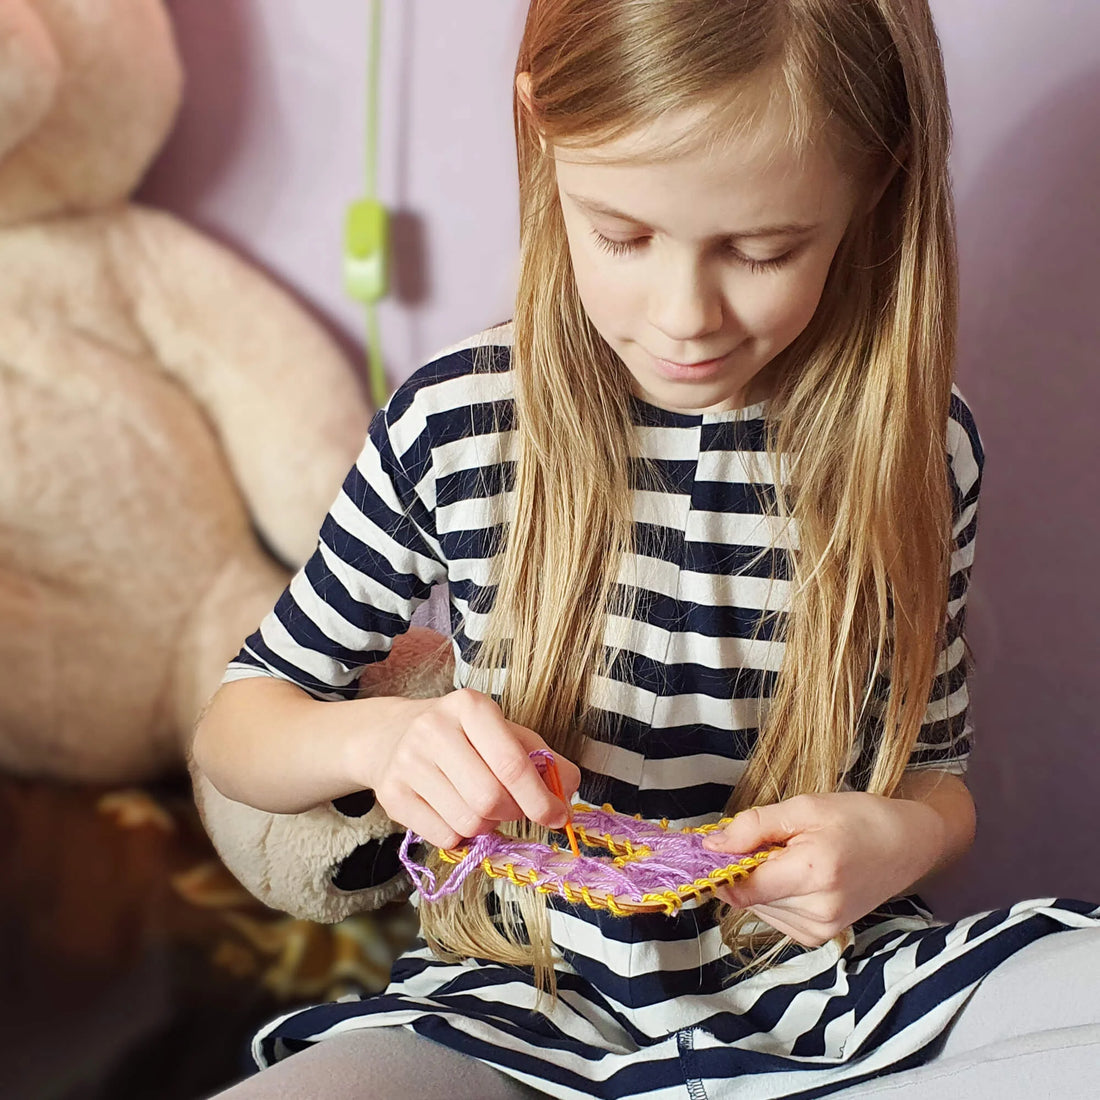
x,y
759,827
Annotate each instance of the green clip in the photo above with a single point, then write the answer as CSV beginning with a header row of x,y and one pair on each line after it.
x,y
366,250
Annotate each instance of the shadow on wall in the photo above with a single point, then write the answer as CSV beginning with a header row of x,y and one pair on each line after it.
x,y
411,271
1029,241
221,84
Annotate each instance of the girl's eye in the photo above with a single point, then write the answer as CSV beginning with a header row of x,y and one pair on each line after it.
x,y
757,267
760,267
617,248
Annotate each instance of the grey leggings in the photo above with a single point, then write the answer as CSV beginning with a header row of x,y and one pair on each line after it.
x,y
1032,1027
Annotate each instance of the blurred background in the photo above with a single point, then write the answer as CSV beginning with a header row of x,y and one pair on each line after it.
x,y
266,155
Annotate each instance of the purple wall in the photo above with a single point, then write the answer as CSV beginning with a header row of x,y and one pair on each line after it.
x,y
269,151
1025,85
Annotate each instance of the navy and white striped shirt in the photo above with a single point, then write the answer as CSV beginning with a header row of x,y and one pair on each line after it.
x,y
643,999
426,503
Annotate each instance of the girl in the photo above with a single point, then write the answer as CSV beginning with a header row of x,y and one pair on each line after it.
x,y
706,514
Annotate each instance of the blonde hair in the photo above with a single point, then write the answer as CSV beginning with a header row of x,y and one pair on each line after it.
x,y
858,411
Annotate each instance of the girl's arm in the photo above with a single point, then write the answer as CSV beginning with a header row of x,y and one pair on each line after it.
x,y
448,768
846,853
268,744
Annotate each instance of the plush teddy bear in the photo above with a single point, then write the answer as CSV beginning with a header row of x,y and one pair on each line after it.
x,y
173,429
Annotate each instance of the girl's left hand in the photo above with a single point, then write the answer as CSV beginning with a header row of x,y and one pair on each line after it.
x,y
843,855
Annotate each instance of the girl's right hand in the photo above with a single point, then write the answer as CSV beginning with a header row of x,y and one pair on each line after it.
x,y
454,767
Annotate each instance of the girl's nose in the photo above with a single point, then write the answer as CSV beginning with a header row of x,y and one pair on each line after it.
x,y
686,304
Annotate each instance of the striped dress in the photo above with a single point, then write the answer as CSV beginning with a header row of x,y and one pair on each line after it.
x,y
649,1006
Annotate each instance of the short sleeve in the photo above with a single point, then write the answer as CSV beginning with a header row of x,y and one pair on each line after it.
x,y
945,738
376,561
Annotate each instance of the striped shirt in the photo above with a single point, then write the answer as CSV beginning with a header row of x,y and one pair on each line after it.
x,y
648,1004
427,501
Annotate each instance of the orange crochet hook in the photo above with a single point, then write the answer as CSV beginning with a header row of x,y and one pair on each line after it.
x,y
553,780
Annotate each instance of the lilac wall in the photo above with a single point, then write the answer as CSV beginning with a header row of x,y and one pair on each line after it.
x,y
1025,85
268,152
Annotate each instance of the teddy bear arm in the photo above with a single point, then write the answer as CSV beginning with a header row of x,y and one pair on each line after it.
x,y
320,865
30,71
286,404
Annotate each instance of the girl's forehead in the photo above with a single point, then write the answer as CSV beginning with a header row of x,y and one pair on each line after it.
x,y
712,141
747,168
759,116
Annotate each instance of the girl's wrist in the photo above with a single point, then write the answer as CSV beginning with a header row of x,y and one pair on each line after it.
x,y
942,812
368,731
925,836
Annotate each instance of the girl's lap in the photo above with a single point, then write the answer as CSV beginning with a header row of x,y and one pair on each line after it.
x,y
1048,986
1032,1024
1013,984
383,1063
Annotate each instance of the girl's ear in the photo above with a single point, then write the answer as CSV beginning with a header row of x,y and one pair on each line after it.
x,y
523,90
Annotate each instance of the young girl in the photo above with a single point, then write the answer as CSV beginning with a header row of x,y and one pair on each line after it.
x,y
706,514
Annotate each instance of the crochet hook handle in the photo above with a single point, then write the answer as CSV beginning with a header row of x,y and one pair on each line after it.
x,y
553,781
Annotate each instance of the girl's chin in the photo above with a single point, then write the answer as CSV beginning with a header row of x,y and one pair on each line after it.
x,y
690,404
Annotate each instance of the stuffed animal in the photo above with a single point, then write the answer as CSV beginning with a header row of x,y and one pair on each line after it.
x,y
173,430
337,859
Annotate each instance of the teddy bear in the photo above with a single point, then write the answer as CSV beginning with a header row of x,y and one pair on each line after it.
x,y
174,428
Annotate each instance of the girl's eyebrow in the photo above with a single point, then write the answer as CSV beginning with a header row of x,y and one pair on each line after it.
x,y
788,229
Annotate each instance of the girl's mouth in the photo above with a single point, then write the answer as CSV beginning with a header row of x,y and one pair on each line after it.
x,y
697,372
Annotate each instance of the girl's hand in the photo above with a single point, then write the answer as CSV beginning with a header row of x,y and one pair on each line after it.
x,y
844,854
454,767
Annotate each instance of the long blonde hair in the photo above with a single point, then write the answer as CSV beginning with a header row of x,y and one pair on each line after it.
x,y
858,410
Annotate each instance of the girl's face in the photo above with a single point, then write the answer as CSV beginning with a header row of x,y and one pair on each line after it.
x,y
698,270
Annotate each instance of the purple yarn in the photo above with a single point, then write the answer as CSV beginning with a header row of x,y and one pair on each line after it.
x,y
675,858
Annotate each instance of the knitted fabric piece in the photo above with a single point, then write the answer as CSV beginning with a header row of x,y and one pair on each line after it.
x,y
649,867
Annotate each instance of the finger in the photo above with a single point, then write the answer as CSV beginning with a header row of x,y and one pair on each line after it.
x,y
782,876
504,748
798,917
778,921
436,788
568,772
416,815
775,918
802,930
763,825
794,911
479,788
806,933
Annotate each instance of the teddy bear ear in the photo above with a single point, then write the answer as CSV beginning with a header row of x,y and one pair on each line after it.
x,y
30,72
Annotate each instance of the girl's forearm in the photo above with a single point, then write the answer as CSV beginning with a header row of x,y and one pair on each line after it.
x,y
953,818
268,744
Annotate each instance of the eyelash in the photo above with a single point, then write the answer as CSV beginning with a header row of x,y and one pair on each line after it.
x,y
757,267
